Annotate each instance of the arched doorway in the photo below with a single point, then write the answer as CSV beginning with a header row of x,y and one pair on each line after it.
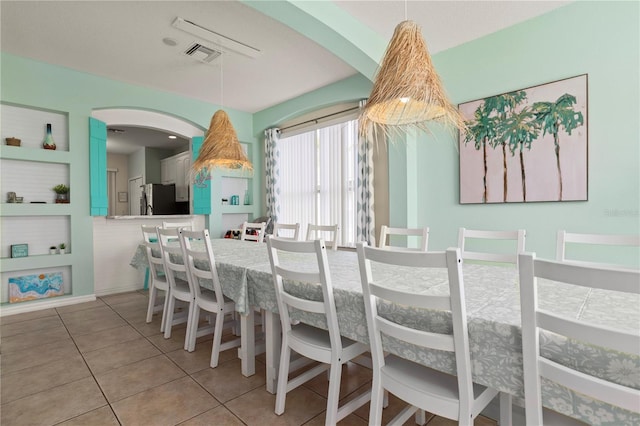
x,y
141,123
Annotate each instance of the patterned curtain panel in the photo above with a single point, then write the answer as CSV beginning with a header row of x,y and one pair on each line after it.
x,y
366,226
272,171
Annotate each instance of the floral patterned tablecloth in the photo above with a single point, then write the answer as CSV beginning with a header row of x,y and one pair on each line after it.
x,y
493,314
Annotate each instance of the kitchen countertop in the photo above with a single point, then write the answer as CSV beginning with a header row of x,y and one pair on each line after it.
x,y
160,216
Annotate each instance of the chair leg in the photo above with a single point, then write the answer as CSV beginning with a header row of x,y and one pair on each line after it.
x,y
153,293
333,396
506,411
377,402
217,338
169,317
192,326
165,308
283,376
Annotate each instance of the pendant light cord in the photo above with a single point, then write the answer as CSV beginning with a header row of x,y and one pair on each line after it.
x,y
222,81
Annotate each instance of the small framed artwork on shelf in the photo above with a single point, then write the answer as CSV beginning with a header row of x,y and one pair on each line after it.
x,y
19,250
123,197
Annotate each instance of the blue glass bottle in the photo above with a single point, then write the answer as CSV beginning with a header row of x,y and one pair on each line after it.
x,y
48,142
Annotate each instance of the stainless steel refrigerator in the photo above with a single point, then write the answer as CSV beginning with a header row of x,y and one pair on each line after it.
x,y
158,199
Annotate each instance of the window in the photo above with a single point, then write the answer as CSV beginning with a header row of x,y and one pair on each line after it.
x,y
318,179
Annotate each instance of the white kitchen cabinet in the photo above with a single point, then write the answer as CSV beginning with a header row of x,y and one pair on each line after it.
x,y
183,164
175,169
168,171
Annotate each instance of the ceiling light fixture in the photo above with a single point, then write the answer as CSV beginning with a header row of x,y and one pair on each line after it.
x,y
173,137
221,147
407,92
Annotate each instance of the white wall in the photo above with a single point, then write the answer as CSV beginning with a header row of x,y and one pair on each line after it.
x,y
114,244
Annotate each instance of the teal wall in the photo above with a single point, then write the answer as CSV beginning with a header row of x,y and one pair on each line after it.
x,y
600,39
36,84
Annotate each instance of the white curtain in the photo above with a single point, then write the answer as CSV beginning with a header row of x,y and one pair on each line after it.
x,y
298,189
323,176
318,171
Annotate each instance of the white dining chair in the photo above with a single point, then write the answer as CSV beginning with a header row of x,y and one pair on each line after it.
x,y
419,234
169,224
292,230
158,280
517,236
592,240
253,231
423,388
325,346
328,233
592,331
201,269
180,291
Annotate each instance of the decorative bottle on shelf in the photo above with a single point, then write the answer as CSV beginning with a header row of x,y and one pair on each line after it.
x,y
48,142
247,198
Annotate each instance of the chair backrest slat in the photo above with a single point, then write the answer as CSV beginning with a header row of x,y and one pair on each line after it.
x,y
387,232
518,236
168,224
253,231
563,238
315,232
292,230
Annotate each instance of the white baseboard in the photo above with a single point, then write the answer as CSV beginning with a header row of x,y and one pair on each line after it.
x,y
122,289
54,302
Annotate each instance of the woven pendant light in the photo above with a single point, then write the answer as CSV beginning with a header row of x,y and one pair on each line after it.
x,y
221,147
407,92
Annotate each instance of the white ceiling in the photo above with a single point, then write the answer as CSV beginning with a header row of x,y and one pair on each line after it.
x,y
122,40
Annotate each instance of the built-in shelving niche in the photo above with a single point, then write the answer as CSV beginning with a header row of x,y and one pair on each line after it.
x,y
64,270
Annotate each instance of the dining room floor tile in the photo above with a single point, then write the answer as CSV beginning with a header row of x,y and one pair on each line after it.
x,y
100,363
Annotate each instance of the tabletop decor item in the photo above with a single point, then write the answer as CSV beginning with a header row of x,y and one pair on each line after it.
x,y
53,250
13,141
526,145
48,142
19,250
63,248
11,197
62,193
30,287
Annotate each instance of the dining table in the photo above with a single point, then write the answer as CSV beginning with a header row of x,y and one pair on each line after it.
x,y
492,301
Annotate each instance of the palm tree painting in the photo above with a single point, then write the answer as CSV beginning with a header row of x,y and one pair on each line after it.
x,y
527,145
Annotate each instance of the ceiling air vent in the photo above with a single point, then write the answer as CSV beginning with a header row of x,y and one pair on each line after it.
x,y
202,53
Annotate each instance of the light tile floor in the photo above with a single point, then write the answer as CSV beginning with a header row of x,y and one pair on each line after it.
x,y
99,363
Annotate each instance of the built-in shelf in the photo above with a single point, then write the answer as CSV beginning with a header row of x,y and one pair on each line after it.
x,y
249,208
31,154
35,262
28,209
